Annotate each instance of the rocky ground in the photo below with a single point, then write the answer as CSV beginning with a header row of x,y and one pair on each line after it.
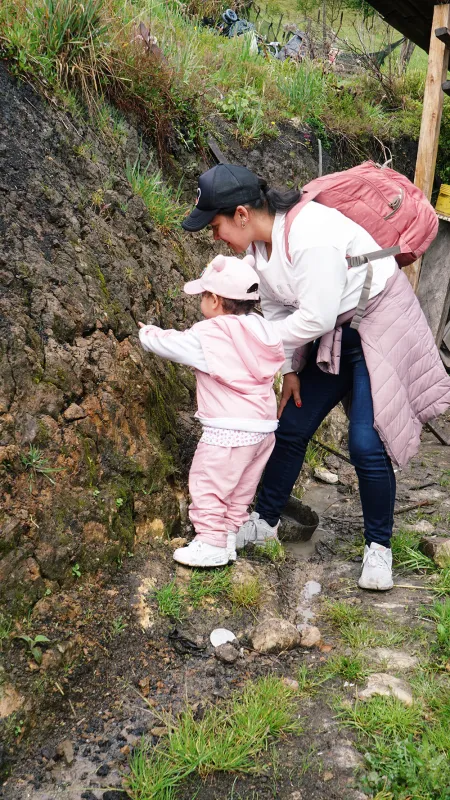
x,y
113,663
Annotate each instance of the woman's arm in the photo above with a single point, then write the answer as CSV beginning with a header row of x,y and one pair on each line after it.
x,y
181,346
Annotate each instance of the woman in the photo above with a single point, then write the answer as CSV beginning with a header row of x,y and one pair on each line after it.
x,y
390,367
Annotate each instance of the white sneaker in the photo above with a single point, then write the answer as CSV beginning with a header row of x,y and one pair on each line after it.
x,y
255,531
231,545
202,554
377,568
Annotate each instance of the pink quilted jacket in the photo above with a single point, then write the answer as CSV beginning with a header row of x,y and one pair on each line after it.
x,y
409,383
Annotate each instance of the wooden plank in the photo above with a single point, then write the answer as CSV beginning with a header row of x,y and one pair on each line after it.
x,y
438,60
434,284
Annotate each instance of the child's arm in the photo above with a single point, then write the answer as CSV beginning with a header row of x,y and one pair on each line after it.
x,y
181,346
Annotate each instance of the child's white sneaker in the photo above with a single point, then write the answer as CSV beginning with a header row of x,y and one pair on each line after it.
x,y
377,568
255,531
231,545
202,554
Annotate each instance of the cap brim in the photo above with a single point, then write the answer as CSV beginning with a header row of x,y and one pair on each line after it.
x,y
193,287
198,219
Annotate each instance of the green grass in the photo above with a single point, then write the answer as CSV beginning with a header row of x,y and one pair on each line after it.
x,y
357,626
205,583
86,53
272,551
439,613
227,738
351,668
6,626
162,201
406,554
170,600
247,594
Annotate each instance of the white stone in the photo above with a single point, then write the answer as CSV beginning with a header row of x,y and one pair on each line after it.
x,y
325,475
310,635
274,636
380,683
423,526
221,636
393,659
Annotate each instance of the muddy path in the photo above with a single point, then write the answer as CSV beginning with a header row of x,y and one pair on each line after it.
x,y
114,663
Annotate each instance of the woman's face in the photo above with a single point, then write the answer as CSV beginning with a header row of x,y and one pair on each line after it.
x,y
234,231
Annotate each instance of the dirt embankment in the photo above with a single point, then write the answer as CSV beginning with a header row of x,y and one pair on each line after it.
x,y
95,435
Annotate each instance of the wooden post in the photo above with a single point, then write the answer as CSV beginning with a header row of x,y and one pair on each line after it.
x,y
438,61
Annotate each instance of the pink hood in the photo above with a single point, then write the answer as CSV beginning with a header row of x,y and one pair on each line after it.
x,y
243,354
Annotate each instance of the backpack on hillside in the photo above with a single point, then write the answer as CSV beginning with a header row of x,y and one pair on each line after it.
x,y
386,204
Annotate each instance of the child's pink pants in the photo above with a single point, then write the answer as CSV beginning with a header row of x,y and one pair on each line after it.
x,y
222,484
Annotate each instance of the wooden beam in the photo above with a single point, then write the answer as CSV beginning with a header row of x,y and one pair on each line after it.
x,y
438,60
434,284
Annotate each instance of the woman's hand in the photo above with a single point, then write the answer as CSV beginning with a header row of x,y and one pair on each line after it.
x,y
291,386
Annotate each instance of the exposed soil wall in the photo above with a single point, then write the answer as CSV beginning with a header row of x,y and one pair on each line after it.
x,y
80,264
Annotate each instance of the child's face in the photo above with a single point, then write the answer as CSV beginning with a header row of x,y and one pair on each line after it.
x,y
211,305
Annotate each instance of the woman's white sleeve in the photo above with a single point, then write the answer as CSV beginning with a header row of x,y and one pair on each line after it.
x,y
181,346
319,275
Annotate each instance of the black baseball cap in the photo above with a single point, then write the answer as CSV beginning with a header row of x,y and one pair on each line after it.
x,y
222,187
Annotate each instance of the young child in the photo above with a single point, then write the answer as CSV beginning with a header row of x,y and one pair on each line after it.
x,y
235,355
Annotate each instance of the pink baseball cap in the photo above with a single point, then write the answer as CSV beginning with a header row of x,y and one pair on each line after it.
x,y
228,277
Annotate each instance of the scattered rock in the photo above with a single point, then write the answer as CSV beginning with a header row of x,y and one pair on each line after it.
x,y
179,541
10,700
159,730
437,548
393,659
328,776
243,572
74,412
114,794
325,475
345,757
296,796
226,653
380,683
290,683
103,771
423,526
310,635
220,636
274,636
65,750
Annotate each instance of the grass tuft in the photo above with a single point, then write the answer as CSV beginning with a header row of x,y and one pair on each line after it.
x,y
272,551
162,201
170,601
204,583
247,594
406,554
227,738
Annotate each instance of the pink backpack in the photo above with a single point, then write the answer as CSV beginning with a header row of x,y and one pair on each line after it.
x,y
385,203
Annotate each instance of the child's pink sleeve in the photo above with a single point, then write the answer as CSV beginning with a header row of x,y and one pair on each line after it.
x,y
182,347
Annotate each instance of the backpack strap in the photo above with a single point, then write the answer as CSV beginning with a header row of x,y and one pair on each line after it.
x,y
363,299
358,261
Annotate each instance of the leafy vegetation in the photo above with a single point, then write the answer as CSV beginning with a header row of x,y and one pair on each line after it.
x,y
93,53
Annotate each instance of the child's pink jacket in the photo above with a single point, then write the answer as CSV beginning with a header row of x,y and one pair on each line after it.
x,y
235,357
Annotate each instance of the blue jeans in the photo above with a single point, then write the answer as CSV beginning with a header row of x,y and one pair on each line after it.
x,y
320,392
